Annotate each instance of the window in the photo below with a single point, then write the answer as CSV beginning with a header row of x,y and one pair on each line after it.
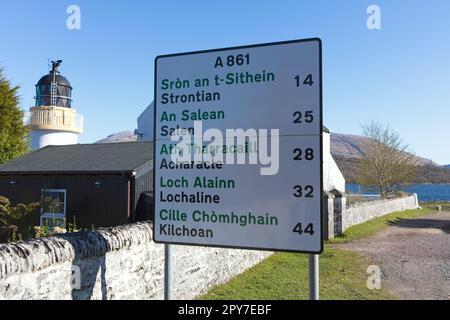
x,y
53,208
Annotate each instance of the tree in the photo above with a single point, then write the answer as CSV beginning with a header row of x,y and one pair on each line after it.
x,y
13,131
386,163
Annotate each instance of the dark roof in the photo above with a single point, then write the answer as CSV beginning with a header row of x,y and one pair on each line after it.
x,y
60,80
325,129
83,158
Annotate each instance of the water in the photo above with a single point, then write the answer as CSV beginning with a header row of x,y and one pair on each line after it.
x,y
425,192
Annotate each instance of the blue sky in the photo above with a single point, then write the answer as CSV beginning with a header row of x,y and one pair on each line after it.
x,y
399,74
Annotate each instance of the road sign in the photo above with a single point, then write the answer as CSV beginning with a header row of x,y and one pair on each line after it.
x,y
272,199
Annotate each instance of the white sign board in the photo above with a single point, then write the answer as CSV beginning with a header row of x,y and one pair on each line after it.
x,y
271,198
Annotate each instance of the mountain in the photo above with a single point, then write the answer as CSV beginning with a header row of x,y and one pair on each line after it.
x,y
447,166
347,152
343,146
349,146
346,146
124,136
427,173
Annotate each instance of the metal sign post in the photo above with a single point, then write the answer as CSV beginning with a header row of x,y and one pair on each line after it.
x,y
313,277
167,272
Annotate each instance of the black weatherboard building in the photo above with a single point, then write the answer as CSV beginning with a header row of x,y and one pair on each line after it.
x,y
99,185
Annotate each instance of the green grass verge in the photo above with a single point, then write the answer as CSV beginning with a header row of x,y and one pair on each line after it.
x,y
445,206
369,228
284,276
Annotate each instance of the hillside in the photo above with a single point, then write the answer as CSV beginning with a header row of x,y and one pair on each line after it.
x,y
346,150
348,146
124,136
428,173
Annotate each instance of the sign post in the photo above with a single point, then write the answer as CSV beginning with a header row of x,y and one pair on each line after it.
x,y
313,277
238,148
168,272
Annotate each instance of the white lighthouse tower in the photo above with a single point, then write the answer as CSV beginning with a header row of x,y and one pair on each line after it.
x,y
52,119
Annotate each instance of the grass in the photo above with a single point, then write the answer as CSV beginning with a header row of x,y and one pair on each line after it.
x,y
284,276
369,228
432,205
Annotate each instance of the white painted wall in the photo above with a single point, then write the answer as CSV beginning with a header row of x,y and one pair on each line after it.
x,y
365,211
332,176
43,138
145,124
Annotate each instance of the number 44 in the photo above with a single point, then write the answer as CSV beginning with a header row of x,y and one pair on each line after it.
x,y
299,229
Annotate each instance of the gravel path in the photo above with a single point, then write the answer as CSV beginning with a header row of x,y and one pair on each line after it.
x,y
414,256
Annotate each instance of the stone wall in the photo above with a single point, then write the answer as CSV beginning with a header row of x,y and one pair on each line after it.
x,y
113,263
365,211
338,216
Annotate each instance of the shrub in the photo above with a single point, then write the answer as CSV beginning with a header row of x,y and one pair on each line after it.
x,y
10,216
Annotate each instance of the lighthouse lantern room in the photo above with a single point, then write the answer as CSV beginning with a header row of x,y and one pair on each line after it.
x,y
52,120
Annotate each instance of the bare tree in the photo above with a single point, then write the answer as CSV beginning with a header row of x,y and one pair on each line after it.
x,y
386,162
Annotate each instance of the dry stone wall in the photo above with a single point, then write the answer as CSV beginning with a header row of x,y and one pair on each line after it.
x,y
362,212
113,263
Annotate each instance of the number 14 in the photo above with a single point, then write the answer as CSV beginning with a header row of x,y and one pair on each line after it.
x,y
307,82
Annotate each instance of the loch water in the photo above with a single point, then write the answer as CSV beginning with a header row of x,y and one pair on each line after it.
x,y
425,192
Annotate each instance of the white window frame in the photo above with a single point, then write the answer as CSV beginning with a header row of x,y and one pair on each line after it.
x,y
47,215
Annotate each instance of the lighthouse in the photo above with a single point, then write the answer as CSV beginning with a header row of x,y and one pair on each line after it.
x,y
52,120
